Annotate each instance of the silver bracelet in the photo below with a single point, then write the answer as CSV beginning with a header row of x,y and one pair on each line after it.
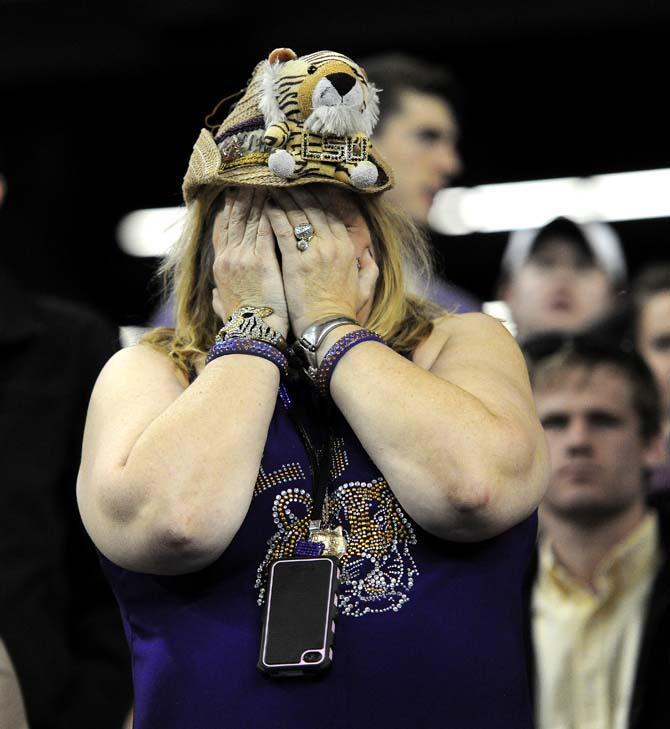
x,y
306,345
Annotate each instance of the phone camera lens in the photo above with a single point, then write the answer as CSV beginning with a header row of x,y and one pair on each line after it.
x,y
312,657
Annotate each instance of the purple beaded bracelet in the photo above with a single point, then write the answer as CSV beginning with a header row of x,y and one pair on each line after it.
x,y
240,345
337,351
306,548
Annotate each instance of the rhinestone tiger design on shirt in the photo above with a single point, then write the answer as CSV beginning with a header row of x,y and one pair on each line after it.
x,y
378,570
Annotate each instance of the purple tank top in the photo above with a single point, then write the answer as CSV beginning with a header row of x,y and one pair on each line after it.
x,y
429,634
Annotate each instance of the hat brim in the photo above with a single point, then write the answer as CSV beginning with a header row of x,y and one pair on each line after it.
x,y
207,168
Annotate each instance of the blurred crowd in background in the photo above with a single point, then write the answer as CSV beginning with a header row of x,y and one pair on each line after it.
x,y
597,341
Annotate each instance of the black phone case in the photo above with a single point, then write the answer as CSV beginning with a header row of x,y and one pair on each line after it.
x,y
298,621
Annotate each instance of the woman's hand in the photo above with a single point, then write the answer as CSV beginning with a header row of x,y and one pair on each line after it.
x,y
336,275
246,269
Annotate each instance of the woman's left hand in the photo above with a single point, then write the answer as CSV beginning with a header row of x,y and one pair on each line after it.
x,y
325,280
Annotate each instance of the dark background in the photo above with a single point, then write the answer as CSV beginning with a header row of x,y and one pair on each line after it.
x,y
100,104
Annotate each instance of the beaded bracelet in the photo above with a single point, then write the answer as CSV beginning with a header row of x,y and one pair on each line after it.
x,y
239,345
337,351
305,548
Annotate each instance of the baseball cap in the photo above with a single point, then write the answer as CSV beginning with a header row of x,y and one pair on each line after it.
x,y
598,239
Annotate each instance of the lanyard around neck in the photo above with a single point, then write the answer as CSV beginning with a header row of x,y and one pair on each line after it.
x,y
320,461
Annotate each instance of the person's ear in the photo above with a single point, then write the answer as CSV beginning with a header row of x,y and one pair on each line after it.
x,y
654,451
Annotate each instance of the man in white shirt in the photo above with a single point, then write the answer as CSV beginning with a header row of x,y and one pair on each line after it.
x,y
600,604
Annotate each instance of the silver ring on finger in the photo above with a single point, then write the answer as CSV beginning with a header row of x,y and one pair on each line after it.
x,y
304,234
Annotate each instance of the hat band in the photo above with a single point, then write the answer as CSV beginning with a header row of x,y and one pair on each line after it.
x,y
312,148
252,158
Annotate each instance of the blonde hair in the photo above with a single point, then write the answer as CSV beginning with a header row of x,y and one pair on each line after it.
x,y
404,319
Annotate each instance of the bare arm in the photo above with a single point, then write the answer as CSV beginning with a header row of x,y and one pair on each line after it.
x,y
12,710
459,442
168,472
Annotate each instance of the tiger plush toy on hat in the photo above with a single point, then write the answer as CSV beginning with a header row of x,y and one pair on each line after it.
x,y
318,110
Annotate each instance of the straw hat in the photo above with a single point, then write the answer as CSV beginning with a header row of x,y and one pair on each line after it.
x,y
300,120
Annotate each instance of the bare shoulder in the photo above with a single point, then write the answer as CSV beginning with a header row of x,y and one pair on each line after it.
x,y
135,386
470,333
472,321
140,371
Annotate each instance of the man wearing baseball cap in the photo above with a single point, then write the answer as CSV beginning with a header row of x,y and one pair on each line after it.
x,y
562,276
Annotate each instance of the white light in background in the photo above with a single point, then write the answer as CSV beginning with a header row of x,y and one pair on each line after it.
x,y
516,205
130,336
150,232
481,209
501,311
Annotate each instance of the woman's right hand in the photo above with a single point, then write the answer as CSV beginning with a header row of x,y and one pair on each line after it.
x,y
246,269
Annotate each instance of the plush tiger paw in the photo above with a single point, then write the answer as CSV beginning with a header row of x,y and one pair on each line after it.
x,y
276,135
364,174
282,163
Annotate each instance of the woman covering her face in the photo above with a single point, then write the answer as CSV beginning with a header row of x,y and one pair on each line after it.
x,y
307,418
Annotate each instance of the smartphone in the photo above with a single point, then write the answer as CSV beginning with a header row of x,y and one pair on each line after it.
x,y
299,618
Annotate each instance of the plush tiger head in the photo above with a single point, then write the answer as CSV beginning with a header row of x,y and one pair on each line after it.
x,y
325,92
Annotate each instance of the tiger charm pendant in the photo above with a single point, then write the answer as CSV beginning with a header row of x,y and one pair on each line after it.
x,y
333,540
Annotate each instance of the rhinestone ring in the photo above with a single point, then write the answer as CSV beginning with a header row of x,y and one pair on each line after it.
x,y
304,233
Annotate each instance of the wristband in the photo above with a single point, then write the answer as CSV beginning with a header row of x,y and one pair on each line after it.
x,y
337,351
254,347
